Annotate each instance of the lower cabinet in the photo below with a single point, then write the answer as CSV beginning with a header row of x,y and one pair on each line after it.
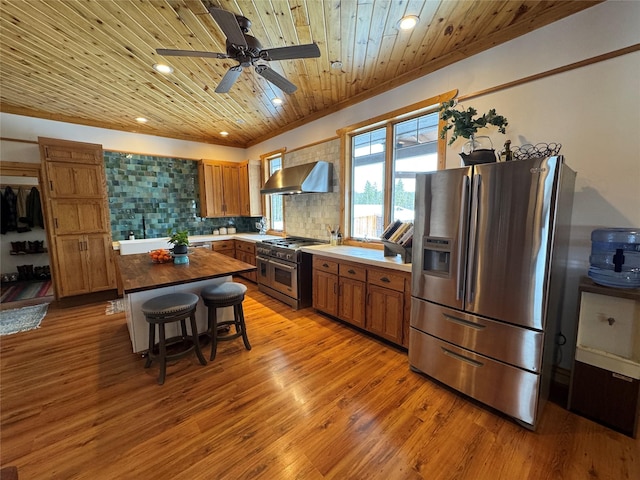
x,y
85,264
226,247
374,299
246,252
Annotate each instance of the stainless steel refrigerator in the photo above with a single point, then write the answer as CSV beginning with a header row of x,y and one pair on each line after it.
x,y
489,259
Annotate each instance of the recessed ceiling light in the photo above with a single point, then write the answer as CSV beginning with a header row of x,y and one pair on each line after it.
x,y
276,101
141,120
162,68
224,134
336,65
408,22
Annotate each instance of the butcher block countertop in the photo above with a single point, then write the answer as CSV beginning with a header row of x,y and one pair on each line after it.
x,y
137,272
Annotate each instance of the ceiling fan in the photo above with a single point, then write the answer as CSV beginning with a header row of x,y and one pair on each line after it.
x,y
247,50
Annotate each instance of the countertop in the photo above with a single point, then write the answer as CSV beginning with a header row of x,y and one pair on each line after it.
x,y
368,256
137,272
143,245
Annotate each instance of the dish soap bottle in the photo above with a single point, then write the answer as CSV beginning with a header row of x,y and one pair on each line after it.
x,y
131,235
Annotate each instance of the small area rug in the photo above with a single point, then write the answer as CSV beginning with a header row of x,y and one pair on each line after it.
x,y
22,319
26,291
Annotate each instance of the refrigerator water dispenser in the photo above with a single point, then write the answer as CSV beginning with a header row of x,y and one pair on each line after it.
x,y
437,256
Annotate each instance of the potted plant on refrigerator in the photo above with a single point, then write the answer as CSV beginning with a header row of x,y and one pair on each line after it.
x,y
465,124
180,240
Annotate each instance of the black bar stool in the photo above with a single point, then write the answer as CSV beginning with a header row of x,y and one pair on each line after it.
x,y
174,307
228,294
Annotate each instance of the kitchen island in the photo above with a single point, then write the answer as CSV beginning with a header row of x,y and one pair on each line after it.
x,y
139,280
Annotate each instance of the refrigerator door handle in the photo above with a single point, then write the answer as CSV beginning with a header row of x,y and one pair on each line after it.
x,y
473,237
462,234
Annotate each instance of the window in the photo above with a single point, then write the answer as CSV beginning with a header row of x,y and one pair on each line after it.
x,y
383,172
274,209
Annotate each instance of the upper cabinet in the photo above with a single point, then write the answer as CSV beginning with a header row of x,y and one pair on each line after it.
x,y
224,189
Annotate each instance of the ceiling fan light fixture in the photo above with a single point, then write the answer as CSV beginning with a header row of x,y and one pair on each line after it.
x,y
224,134
162,68
142,119
408,22
276,101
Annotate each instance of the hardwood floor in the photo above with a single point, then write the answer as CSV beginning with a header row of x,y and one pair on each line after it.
x,y
312,400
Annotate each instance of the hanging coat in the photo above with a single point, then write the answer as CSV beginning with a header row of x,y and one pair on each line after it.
x,y
11,218
34,209
21,210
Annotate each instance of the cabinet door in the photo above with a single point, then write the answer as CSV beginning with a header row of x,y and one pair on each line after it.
x,y
325,292
100,263
243,188
54,150
211,189
71,277
385,312
78,216
75,180
231,190
351,306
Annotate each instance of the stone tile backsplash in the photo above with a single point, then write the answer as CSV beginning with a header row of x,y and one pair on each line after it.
x,y
308,215
162,191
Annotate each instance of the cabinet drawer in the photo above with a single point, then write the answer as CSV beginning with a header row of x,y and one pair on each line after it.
x,y
245,247
223,245
386,278
508,343
353,271
325,265
504,387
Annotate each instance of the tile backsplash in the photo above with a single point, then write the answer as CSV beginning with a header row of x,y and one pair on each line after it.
x,y
162,191
308,215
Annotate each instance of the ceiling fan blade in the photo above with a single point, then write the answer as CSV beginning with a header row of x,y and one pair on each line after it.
x,y
274,77
229,25
229,79
167,52
309,50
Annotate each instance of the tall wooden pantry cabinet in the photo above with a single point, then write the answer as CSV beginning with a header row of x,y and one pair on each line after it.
x,y
77,217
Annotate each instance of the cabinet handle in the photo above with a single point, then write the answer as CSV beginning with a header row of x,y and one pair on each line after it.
x,y
611,320
621,377
51,185
86,246
80,246
55,222
325,265
385,279
351,271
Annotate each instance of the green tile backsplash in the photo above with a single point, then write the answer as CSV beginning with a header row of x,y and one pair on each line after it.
x,y
162,191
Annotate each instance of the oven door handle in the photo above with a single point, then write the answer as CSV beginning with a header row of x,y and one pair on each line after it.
x,y
283,265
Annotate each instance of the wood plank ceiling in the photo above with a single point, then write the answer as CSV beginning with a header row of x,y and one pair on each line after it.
x,y
90,62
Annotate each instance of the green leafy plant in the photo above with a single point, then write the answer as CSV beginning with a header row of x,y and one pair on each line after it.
x,y
179,237
465,124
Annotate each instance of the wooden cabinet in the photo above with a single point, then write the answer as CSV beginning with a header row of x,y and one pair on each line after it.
x,y
605,379
226,247
243,189
88,258
77,217
220,189
374,299
246,252
325,285
386,303
352,292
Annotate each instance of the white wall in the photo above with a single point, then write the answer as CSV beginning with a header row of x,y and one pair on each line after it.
x,y
28,128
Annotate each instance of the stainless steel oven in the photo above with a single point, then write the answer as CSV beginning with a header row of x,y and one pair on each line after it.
x,y
284,272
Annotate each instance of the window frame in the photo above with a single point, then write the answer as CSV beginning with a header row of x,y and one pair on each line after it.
x,y
387,121
266,199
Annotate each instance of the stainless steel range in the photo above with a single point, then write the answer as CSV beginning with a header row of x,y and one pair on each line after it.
x,y
284,272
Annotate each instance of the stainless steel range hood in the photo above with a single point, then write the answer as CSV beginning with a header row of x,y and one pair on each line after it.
x,y
315,177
